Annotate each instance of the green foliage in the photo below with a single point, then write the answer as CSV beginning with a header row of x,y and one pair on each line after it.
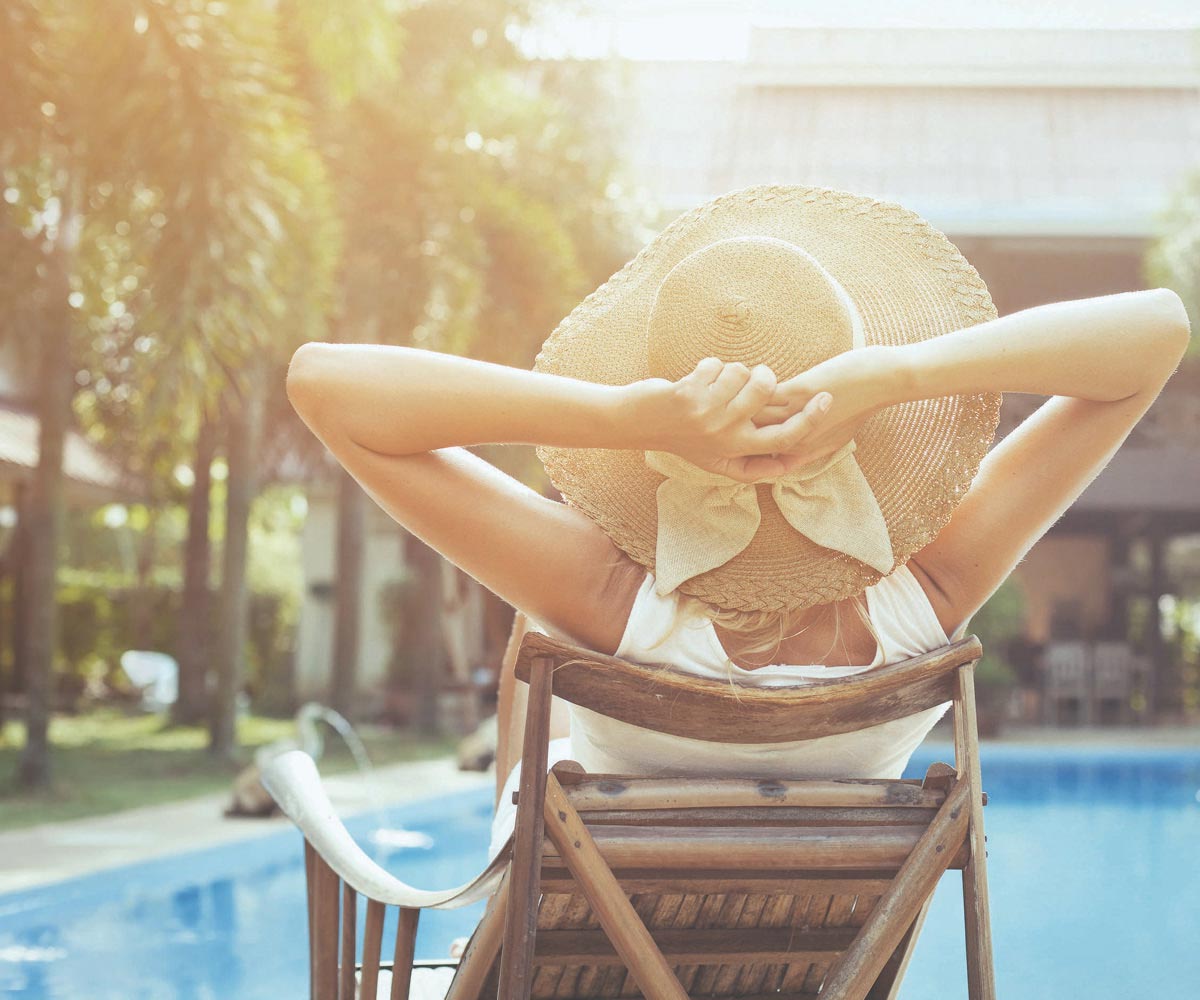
x,y
1173,258
353,44
479,192
107,760
998,623
172,134
100,621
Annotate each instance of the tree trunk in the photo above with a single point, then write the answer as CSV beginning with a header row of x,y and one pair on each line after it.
x,y
424,632
243,429
143,610
1159,696
45,510
195,627
351,532
17,569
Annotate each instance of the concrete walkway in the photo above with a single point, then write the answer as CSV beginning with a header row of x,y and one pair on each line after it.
x,y
51,852
1100,737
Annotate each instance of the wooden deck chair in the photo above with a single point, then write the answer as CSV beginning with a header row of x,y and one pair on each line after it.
x,y
620,886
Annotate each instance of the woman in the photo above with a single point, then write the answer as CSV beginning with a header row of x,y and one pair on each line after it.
x,y
830,346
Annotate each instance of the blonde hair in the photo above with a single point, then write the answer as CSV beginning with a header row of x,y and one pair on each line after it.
x,y
764,630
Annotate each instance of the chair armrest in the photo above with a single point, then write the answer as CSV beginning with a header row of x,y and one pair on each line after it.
x,y
293,782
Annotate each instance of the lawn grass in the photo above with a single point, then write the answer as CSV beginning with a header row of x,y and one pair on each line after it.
x,y
108,760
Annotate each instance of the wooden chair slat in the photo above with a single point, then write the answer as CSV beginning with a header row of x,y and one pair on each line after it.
x,y
516,957
346,982
682,704
310,894
689,946
781,816
325,980
980,982
406,942
605,791
479,966
556,878
710,847
372,945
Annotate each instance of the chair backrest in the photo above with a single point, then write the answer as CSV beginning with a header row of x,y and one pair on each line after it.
x,y
1116,666
681,704
1066,669
672,888
686,887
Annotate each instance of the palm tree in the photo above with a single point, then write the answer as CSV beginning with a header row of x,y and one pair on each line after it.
x,y
167,190
473,188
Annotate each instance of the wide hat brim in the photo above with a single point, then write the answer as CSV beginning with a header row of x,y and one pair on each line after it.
x,y
908,282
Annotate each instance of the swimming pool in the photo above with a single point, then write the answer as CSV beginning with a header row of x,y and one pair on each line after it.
x,y
1094,864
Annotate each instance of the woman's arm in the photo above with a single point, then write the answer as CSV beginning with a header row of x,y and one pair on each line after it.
x,y
404,401
389,416
1103,349
1103,359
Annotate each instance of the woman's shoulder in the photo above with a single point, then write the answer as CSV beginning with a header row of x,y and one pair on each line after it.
x,y
651,615
661,625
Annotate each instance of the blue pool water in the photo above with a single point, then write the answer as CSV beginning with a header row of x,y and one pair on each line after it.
x,y
1094,864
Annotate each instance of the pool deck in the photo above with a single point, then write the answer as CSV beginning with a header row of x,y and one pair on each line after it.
x,y
51,852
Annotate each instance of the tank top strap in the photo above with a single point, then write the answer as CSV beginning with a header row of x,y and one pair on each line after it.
x,y
659,630
903,616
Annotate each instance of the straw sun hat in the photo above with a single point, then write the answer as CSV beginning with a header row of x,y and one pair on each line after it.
x,y
788,276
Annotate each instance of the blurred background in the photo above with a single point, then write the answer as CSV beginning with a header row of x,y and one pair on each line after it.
x,y
191,189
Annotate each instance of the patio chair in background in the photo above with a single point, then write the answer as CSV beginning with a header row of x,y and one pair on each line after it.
x,y
1092,682
155,675
1067,682
1118,674
684,887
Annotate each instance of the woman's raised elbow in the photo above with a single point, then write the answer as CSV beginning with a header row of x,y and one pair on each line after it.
x,y
1172,320
306,374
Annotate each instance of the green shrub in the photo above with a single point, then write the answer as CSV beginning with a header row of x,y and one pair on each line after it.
x,y
99,621
998,623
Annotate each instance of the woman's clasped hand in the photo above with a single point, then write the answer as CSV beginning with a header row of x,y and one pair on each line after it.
x,y
742,423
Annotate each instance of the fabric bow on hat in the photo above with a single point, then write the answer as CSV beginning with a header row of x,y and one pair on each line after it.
x,y
705,518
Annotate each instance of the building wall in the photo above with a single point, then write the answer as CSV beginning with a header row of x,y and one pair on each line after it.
x,y
383,559
384,564
1065,578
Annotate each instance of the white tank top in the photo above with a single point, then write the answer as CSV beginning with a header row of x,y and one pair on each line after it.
x,y
906,625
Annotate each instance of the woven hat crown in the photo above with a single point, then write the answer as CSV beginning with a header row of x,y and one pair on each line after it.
x,y
754,299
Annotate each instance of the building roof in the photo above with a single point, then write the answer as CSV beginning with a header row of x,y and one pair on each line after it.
x,y
1003,132
93,476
